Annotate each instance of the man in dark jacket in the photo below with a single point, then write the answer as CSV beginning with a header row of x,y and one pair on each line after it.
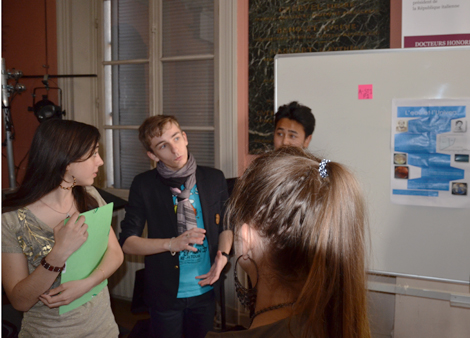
x,y
187,246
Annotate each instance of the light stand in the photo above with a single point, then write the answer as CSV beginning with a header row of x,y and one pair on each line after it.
x,y
7,121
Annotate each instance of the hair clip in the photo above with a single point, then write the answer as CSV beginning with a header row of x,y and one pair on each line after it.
x,y
322,168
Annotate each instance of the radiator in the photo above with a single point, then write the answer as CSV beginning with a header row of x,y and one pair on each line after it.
x,y
121,283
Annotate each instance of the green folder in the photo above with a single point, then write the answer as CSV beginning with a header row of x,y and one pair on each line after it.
x,y
85,260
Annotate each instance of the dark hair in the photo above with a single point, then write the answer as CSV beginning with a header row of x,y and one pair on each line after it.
x,y
314,232
154,126
56,144
297,112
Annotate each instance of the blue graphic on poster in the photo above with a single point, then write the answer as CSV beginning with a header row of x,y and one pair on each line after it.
x,y
430,152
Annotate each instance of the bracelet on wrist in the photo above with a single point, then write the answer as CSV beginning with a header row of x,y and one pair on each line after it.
x,y
49,267
169,247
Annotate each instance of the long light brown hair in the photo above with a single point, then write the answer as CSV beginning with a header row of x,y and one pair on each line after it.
x,y
314,229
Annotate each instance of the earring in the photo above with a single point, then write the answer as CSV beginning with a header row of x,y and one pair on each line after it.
x,y
247,297
73,184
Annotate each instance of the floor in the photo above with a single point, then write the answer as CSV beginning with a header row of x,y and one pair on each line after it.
x,y
125,319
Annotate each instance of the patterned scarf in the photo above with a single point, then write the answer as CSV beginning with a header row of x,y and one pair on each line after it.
x,y
185,215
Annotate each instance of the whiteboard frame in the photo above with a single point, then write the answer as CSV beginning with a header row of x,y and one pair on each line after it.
x,y
318,80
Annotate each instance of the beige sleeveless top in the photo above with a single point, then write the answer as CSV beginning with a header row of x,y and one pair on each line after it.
x,y
23,233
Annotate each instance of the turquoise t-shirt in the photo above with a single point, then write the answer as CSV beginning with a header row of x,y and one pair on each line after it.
x,y
194,264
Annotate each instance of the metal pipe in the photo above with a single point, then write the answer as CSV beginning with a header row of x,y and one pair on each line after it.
x,y
8,127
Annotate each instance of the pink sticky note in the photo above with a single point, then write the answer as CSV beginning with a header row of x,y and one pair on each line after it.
x,y
364,92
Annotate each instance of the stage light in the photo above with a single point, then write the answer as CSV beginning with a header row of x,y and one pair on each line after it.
x,y
45,109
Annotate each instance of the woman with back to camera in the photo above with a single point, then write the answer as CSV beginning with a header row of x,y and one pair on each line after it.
x,y
63,162
299,225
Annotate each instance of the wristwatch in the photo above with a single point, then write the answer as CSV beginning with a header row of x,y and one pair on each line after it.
x,y
226,255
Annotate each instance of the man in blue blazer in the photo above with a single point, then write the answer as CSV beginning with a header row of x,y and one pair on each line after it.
x,y
186,247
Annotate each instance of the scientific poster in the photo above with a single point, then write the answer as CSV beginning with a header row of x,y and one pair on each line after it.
x,y
430,152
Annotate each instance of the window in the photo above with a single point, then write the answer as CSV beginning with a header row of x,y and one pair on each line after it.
x,y
161,57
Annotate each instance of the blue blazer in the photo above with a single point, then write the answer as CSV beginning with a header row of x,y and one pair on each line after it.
x,y
150,201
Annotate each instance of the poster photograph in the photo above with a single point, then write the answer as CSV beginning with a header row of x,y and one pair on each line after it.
x,y
430,152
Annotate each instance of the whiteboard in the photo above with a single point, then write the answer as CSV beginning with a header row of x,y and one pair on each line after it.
x,y
419,241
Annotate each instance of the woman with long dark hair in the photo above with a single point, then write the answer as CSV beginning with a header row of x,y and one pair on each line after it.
x,y
63,162
299,225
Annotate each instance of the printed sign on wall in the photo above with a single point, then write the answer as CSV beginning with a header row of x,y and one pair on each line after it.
x,y
435,23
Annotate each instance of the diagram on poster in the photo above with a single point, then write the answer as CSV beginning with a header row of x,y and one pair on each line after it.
x,y
430,152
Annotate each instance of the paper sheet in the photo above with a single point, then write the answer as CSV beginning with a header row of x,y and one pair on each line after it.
x,y
430,152
84,261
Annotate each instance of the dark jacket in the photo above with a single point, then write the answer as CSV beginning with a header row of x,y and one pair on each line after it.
x,y
151,201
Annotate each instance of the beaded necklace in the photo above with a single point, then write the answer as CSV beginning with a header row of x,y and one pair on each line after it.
x,y
270,308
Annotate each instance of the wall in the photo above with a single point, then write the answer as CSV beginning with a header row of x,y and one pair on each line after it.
x,y
431,318
395,24
23,48
244,158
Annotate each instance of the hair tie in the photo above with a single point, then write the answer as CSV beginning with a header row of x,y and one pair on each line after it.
x,y
322,168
